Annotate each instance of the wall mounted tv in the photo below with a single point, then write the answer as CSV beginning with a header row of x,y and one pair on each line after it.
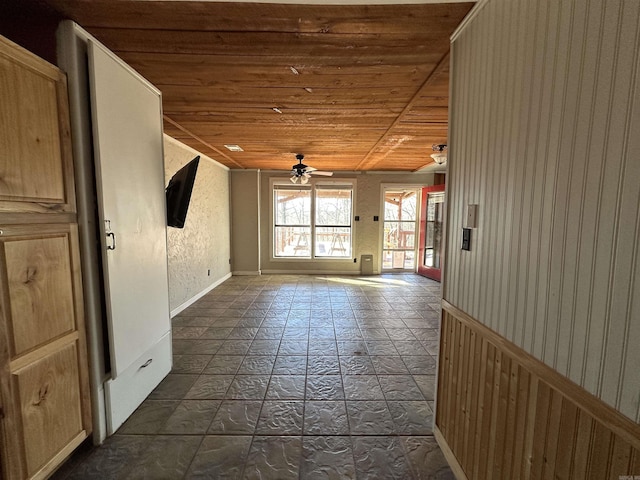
x,y
179,193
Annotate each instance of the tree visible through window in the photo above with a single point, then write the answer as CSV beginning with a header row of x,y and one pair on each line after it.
x,y
330,234
333,223
292,230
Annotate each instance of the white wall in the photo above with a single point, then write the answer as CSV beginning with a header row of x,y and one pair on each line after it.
x,y
545,138
204,243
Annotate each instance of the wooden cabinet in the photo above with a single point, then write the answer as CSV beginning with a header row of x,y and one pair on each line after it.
x,y
44,396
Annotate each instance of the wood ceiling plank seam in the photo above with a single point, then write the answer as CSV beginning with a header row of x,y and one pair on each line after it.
x,y
221,16
198,139
443,63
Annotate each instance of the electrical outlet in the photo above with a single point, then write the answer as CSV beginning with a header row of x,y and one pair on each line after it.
x,y
208,272
355,260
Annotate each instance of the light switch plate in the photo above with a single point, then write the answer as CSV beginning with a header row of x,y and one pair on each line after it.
x,y
472,216
466,239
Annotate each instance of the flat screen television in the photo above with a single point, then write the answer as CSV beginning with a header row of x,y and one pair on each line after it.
x,y
179,193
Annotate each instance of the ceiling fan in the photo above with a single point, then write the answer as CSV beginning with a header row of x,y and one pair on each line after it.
x,y
439,164
304,172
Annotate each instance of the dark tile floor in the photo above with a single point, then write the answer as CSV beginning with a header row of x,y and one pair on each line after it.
x,y
278,377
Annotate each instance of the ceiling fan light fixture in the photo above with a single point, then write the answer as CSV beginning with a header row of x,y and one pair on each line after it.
x,y
304,180
293,179
440,156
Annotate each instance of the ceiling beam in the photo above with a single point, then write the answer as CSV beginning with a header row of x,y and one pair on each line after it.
x,y
198,139
366,162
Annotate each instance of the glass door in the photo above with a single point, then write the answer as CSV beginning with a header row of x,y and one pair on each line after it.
x,y
432,215
399,229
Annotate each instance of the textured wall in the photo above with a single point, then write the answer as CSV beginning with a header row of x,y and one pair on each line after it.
x,y
367,232
544,138
204,242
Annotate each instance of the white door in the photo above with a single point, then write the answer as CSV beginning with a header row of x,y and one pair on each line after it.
x,y
127,130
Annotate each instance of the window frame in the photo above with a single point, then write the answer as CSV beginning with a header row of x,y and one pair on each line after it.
x,y
313,186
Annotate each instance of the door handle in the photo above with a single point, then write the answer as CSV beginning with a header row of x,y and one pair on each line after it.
x,y
111,246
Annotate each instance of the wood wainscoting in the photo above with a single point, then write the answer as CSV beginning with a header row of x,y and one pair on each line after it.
x,y
502,414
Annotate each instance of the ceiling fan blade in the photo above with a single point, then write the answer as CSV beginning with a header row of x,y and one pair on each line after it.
x,y
311,169
319,172
432,167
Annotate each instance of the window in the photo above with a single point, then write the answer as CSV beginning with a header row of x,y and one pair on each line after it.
x,y
329,235
292,225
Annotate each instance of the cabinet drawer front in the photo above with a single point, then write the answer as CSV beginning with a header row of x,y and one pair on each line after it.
x,y
50,405
39,282
126,392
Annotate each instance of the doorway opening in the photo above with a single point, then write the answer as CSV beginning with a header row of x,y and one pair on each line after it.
x,y
431,229
399,230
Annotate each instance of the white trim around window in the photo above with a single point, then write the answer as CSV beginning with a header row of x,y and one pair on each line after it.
x,y
313,221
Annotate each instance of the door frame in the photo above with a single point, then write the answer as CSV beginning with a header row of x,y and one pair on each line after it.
x,y
396,186
429,272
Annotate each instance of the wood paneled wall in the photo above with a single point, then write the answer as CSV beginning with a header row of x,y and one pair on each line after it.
x,y
502,414
545,138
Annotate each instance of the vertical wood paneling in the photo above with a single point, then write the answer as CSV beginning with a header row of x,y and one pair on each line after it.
x,y
505,415
547,305
544,116
599,455
628,201
634,465
620,457
545,178
583,440
471,390
566,439
515,70
585,296
576,149
459,382
553,430
534,163
522,407
610,220
539,430
510,421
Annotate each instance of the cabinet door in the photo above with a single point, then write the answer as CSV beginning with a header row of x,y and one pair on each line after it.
x,y
44,380
35,148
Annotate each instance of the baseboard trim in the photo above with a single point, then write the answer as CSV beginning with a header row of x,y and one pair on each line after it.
x,y
448,455
198,296
311,272
246,273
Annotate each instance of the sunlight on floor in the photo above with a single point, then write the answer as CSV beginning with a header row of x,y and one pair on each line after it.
x,y
377,282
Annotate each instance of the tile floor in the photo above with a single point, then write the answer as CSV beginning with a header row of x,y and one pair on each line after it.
x,y
278,377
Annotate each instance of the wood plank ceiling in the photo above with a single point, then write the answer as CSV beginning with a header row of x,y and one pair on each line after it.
x,y
352,87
